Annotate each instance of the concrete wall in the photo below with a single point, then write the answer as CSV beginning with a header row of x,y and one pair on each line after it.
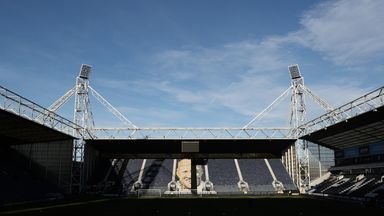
x,y
91,161
54,160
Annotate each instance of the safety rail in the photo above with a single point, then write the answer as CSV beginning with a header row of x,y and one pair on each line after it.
x,y
190,133
14,103
368,102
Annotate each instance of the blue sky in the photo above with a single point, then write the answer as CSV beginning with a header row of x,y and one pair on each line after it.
x,y
176,63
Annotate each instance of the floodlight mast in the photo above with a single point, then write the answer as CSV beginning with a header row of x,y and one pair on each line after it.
x,y
82,111
83,117
297,119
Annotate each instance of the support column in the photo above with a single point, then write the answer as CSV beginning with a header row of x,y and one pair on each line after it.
x,y
283,160
289,163
193,176
286,160
294,164
318,148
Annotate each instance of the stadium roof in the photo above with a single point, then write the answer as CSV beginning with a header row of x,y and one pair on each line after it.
x,y
18,130
209,148
364,129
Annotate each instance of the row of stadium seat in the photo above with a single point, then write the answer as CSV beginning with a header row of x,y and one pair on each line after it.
x,y
363,185
157,174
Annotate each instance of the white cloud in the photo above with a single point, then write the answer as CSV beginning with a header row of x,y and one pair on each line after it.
x,y
153,116
241,76
213,64
250,95
346,32
247,76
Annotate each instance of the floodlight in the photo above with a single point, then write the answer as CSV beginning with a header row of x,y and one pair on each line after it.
x,y
294,71
85,70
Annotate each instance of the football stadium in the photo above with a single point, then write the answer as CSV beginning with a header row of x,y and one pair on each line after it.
x,y
51,165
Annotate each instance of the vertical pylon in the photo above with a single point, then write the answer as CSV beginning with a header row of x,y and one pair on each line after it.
x,y
298,118
83,117
82,112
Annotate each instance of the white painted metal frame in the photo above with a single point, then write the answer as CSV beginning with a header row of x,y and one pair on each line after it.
x,y
365,103
191,133
298,117
276,102
241,184
16,104
112,109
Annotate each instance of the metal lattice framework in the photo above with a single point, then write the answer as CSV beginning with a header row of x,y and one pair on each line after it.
x,y
25,108
298,163
295,89
365,103
191,133
297,118
83,117
112,109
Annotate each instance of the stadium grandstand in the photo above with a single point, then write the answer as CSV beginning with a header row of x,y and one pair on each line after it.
x,y
45,157
359,157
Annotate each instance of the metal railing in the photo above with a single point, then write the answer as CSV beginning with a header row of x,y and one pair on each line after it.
x,y
190,133
368,102
14,103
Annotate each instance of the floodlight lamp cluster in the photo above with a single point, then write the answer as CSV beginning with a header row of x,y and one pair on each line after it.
x,y
294,71
85,71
